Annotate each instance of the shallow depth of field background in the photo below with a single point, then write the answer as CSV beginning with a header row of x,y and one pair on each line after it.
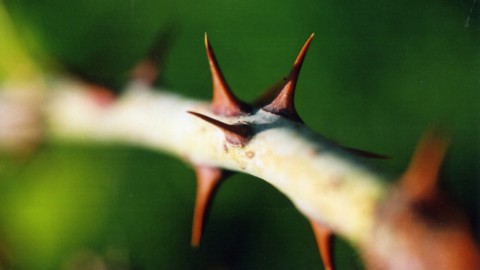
x,y
377,75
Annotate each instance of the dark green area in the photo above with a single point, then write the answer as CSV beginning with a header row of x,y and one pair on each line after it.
x,y
377,75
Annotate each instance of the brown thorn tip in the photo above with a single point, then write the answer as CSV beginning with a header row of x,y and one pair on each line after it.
x,y
224,102
284,104
147,70
208,179
421,177
324,238
237,135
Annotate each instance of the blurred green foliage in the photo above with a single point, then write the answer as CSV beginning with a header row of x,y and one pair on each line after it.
x,y
376,76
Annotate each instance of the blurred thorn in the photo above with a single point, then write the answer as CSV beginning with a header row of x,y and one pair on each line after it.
x,y
102,96
324,238
148,70
284,104
421,177
224,102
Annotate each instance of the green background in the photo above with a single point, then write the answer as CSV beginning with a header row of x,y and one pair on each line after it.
x,y
377,75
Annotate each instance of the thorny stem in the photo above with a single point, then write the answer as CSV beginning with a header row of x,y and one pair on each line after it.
x,y
326,182
393,226
323,181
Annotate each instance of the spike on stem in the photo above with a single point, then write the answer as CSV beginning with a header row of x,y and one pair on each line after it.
x,y
224,102
284,104
208,180
420,179
237,135
103,96
324,238
147,70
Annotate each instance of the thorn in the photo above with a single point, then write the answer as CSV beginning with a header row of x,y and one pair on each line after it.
x,y
208,180
324,237
224,102
238,134
146,72
284,103
102,96
148,69
421,177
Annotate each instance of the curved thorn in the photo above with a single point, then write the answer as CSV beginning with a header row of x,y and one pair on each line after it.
x,y
324,238
284,103
237,135
224,101
208,180
420,179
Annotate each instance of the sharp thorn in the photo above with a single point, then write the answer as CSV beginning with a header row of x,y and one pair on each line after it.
x,y
237,135
421,177
284,103
224,102
208,180
324,238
